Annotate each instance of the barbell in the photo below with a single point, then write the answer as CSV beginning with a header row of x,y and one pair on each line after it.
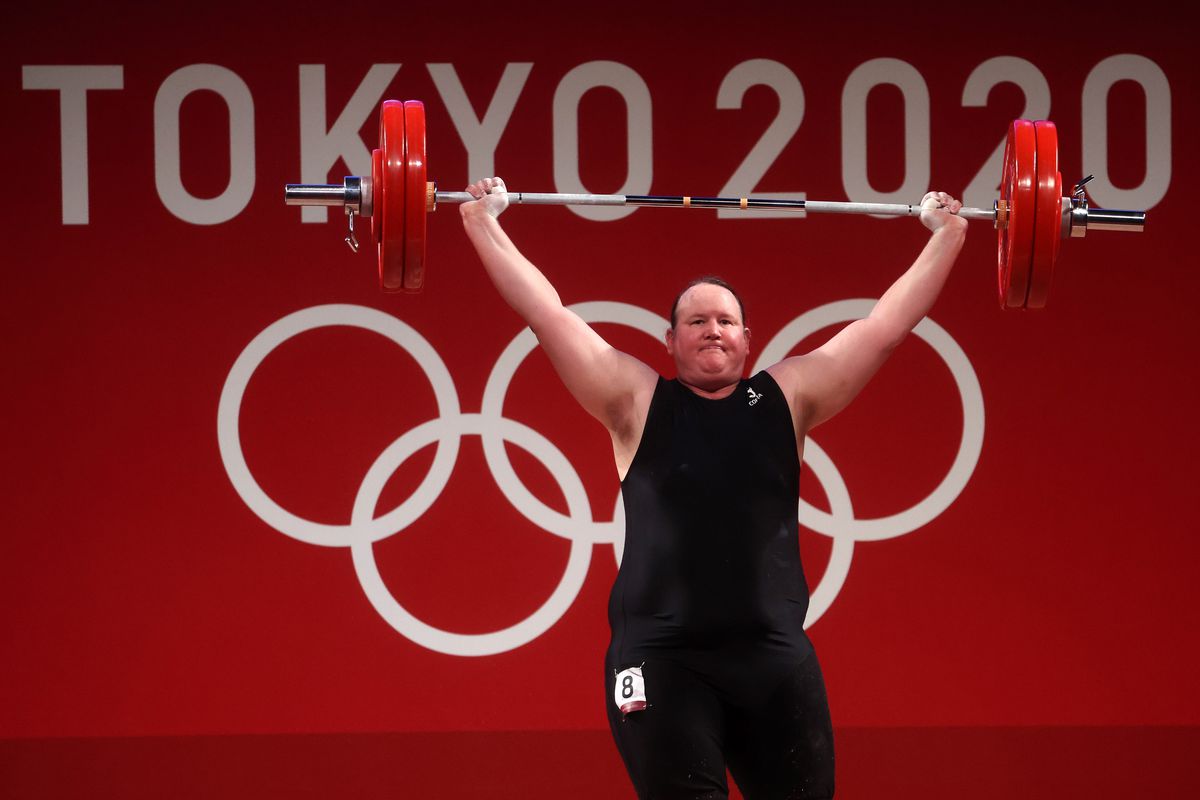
x,y
1031,216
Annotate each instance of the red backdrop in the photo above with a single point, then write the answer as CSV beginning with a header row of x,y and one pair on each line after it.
x,y
1020,619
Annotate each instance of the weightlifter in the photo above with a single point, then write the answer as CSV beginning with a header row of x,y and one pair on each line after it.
x,y
709,666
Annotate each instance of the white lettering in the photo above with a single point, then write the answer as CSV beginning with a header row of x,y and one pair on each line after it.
x,y
167,177
73,84
480,136
633,90
862,80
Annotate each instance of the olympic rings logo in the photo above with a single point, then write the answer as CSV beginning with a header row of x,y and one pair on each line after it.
x,y
578,525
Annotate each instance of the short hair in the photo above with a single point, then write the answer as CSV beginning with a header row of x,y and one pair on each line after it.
x,y
715,281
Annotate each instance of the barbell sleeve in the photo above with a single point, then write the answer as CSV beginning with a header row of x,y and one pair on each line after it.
x,y
1113,219
314,194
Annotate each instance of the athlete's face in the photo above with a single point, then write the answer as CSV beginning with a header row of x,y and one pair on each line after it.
x,y
709,342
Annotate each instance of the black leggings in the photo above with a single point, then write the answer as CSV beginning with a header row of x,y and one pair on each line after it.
x,y
767,720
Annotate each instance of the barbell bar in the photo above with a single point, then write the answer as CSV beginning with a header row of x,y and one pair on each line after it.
x,y
1031,216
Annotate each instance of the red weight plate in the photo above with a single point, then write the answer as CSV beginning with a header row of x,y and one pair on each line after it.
x,y
389,195
1047,224
377,180
1017,190
414,207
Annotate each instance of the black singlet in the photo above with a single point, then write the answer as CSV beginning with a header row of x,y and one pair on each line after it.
x,y
711,554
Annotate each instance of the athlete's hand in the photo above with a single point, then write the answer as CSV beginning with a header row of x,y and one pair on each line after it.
x,y
491,195
939,209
